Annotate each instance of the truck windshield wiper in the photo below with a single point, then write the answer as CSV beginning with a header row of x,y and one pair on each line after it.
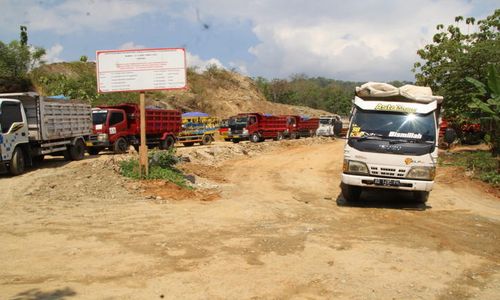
x,y
370,137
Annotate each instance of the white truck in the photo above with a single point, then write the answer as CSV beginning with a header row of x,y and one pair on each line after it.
x,y
329,125
392,140
32,126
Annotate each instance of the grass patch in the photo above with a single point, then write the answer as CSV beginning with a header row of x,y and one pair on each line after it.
x,y
161,166
481,163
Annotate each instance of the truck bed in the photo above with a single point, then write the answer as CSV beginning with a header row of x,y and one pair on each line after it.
x,y
51,119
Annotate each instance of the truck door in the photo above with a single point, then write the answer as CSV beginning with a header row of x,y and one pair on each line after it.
x,y
252,124
14,129
117,125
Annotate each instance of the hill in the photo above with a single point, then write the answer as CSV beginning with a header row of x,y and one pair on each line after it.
x,y
216,91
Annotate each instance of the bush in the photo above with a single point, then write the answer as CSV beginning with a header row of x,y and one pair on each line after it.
x,y
481,163
161,166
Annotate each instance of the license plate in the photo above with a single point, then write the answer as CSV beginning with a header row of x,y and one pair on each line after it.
x,y
89,144
386,182
236,136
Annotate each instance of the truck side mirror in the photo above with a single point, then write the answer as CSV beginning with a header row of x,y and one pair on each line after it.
x,y
450,135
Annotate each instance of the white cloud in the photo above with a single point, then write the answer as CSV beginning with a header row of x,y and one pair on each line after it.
x,y
200,64
73,15
52,54
356,40
131,45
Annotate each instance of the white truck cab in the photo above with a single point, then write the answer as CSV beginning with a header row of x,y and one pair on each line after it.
x,y
329,125
392,140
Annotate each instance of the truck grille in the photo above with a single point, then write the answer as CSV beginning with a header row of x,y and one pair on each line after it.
x,y
388,171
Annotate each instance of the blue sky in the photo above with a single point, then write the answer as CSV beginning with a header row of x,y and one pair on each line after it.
x,y
346,40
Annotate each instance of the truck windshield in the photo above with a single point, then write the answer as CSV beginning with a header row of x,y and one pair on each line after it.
x,y
99,117
393,126
238,120
324,121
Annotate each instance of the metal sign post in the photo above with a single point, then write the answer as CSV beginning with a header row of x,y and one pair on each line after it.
x,y
143,149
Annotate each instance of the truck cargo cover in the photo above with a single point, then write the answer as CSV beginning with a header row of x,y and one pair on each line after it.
x,y
384,90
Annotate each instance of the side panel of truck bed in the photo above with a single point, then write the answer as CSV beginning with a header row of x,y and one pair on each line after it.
x,y
62,119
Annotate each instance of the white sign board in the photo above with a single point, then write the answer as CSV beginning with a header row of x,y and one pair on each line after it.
x,y
141,70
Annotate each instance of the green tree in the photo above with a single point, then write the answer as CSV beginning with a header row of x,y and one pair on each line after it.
x,y
487,101
453,56
17,58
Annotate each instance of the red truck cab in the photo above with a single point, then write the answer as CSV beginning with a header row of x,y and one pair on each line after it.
x,y
256,127
117,127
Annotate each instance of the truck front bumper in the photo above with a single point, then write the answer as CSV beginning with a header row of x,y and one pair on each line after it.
x,y
98,144
387,183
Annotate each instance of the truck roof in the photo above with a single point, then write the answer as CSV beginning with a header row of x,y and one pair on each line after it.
x,y
385,92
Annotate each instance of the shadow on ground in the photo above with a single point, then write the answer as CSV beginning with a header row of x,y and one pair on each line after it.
x,y
36,294
388,199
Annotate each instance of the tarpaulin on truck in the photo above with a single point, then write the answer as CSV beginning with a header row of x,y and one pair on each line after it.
x,y
420,94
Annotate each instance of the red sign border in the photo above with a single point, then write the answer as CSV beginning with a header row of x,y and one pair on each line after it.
x,y
136,50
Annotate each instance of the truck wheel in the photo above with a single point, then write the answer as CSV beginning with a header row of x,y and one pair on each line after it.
x,y
206,140
293,136
17,164
255,138
167,143
236,141
188,144
120,146
421,196
77,151
93,151
351,193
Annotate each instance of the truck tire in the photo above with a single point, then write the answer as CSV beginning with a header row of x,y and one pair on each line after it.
x,y
236,141
255,137
293,136
421,196
120,146
77,151
17,164
350,193
206,140
188,144
167,143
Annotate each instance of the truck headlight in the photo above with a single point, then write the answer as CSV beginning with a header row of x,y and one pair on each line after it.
x,y
102,137
355,167
422,173
245,131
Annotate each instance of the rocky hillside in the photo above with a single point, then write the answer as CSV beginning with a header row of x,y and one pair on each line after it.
x,y
218,92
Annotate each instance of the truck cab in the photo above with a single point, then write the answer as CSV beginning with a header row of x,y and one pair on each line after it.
x,y
14,134
392,141
330,126
109,125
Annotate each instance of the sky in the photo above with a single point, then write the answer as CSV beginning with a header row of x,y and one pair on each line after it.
x,y
345,40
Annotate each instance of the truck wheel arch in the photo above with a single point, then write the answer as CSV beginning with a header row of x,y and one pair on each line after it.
x,y
167,143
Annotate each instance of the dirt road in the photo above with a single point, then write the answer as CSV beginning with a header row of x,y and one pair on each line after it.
x,y
278,230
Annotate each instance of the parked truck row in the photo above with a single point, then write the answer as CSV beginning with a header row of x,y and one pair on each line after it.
x,y
33,126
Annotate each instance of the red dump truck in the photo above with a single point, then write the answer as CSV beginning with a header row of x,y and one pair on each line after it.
x,y
256,127
299,126
117,127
